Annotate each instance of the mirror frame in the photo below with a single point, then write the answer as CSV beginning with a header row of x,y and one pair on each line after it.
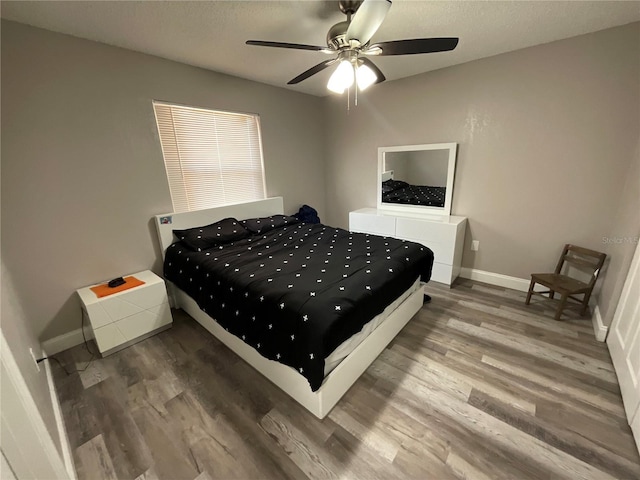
x,y
419,209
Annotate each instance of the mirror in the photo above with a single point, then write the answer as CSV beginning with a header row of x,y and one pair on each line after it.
x,y
417,178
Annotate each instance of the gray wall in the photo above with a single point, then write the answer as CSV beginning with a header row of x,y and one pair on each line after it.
x,y
547,137
82,168
429,167
398,162
426,167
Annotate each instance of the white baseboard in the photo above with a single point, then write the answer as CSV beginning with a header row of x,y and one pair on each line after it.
x,y
67,455
514,283
66,341
522,285
599,328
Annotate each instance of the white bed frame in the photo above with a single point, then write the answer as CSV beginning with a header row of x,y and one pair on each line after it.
x,y
335,384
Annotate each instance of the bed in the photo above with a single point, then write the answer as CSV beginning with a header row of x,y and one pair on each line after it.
x,y
397,191
306,305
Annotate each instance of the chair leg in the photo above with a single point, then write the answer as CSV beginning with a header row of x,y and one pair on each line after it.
x,y
529,292
585,304
563,301
551,294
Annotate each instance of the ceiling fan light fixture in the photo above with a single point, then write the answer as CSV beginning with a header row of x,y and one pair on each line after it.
x,y
342,78
365,77
350,41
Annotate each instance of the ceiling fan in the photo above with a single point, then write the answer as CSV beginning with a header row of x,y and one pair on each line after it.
x,y
350,41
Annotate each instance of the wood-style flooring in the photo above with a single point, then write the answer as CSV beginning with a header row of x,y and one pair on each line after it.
x,y
476,386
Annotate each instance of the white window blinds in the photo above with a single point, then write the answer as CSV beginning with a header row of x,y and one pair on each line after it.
x,y
212,158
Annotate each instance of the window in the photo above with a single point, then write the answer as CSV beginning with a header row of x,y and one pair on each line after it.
x,y
212,157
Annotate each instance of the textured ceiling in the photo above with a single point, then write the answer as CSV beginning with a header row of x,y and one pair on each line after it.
x,y
212,34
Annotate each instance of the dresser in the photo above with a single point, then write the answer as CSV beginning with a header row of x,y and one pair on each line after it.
x,y
444,234
129,316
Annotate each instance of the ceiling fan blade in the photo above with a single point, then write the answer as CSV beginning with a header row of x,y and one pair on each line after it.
x,y
415,46
296,46
367,20
372,66
312,71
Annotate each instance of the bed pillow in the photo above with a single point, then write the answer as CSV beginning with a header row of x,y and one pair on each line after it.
x,y
391,185
264,224
202,238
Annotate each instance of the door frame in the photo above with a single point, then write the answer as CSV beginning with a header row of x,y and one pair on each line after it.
x,y
25,440
620,347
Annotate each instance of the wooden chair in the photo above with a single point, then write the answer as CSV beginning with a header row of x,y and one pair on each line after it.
x,y
578,258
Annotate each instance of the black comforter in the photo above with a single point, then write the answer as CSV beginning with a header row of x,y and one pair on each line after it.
x,y
297,292
396,191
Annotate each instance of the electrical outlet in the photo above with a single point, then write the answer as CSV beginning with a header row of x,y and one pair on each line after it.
x,y
35,360
475,245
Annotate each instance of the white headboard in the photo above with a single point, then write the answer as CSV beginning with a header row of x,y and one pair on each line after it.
x,y
165,224
388,175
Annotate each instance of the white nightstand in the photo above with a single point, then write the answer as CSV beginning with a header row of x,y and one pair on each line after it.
x,y
127,317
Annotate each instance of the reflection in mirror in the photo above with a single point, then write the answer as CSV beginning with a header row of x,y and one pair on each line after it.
x,y
417,177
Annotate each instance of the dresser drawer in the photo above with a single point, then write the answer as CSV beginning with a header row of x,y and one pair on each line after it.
x,y
129,302
114,335
108,337
426,231
141,323
442,273
442,252
376,224
437,236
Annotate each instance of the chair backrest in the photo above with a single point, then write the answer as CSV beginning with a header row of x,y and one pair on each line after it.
x,y
583,259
